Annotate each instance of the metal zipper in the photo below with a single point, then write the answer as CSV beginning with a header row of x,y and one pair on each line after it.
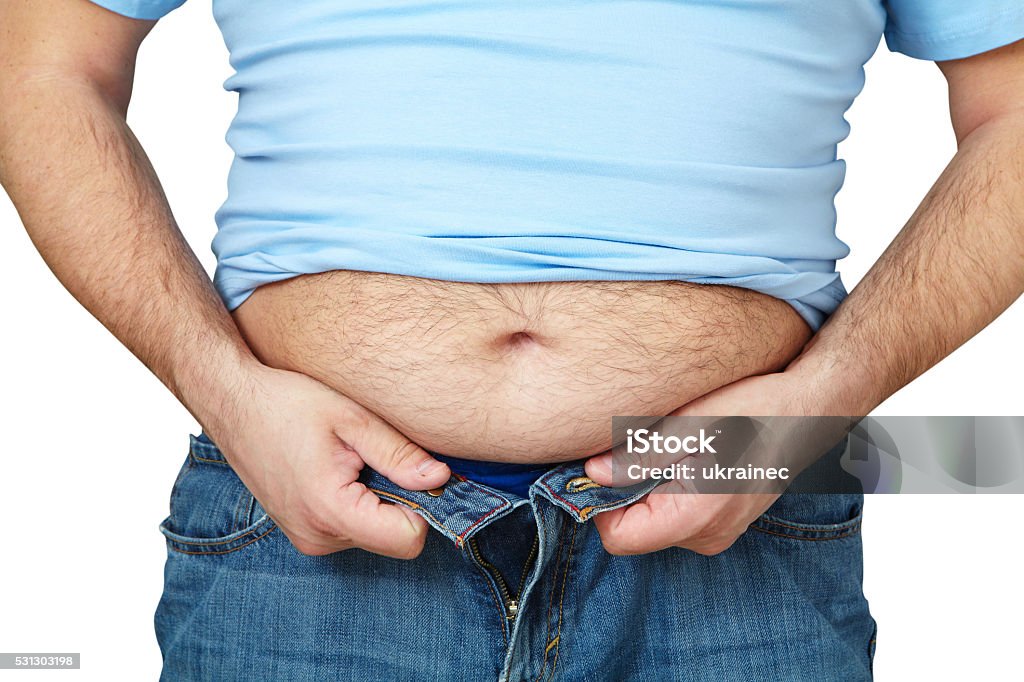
x,y
528,564
511,603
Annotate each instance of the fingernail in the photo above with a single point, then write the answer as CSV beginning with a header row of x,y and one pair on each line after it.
x,y
602,466
428,466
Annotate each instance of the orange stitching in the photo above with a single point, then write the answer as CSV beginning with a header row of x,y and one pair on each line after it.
x,y
851,531
561,599
221,551
414,505
811,528
212,542
207,459
551,601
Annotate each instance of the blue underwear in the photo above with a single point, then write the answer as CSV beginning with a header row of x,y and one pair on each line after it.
x,y
511,478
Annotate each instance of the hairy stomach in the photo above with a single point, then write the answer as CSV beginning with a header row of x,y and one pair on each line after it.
x,y
529,372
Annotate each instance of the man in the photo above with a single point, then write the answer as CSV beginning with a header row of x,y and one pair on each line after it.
x,y
459,237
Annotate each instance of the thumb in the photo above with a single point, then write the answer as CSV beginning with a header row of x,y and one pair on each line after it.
x,y
599,469
393,455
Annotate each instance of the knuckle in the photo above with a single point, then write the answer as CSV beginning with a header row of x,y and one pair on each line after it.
x,y
403,452
357,419
305,545
320,525
310,548
714,547
411,550
614,544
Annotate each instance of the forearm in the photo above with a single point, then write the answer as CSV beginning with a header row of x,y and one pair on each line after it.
x,y
95,210
955,266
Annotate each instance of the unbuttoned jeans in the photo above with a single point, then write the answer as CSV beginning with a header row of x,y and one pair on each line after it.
x,y
507,588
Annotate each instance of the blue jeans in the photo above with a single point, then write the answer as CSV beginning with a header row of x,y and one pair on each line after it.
x,y
507,588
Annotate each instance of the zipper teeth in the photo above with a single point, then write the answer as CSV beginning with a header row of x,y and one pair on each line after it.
x,y
502,586
527,565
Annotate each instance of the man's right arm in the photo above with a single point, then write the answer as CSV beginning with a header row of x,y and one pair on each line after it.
x,y
94,209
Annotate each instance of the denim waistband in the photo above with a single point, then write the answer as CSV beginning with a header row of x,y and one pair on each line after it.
x,y
462,507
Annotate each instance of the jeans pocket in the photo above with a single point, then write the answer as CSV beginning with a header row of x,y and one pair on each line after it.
x,y
813,516
211,510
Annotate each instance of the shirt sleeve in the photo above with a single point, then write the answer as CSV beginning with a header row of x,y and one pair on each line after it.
x,y
140,9
951,29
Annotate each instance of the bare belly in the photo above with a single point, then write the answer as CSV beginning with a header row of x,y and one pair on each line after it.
x,y
528,372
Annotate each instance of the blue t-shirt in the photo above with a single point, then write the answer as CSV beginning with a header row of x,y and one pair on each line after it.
x,y
540,140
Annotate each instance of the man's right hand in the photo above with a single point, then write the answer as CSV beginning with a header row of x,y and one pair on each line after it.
x,y
91,202
299,447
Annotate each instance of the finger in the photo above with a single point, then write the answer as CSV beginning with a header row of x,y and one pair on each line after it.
x,y
387,451
616,468
616,536
654,523
718,403
373,525
599,469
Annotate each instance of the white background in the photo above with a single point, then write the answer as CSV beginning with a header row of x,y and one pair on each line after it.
x,y
92,441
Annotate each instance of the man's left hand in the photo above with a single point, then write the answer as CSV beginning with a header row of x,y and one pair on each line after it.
x,y
707,523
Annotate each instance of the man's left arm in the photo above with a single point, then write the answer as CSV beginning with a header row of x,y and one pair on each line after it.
x,y
956,266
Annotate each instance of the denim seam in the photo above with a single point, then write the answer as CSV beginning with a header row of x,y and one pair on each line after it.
x,y
476,523
173,542
242,509
561,600
564,501
849,533
551,603
207,459
810,528
203,542
251,508
196,445
525,572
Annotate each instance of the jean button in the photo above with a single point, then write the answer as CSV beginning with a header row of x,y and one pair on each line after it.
x,y
581,483
436,492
